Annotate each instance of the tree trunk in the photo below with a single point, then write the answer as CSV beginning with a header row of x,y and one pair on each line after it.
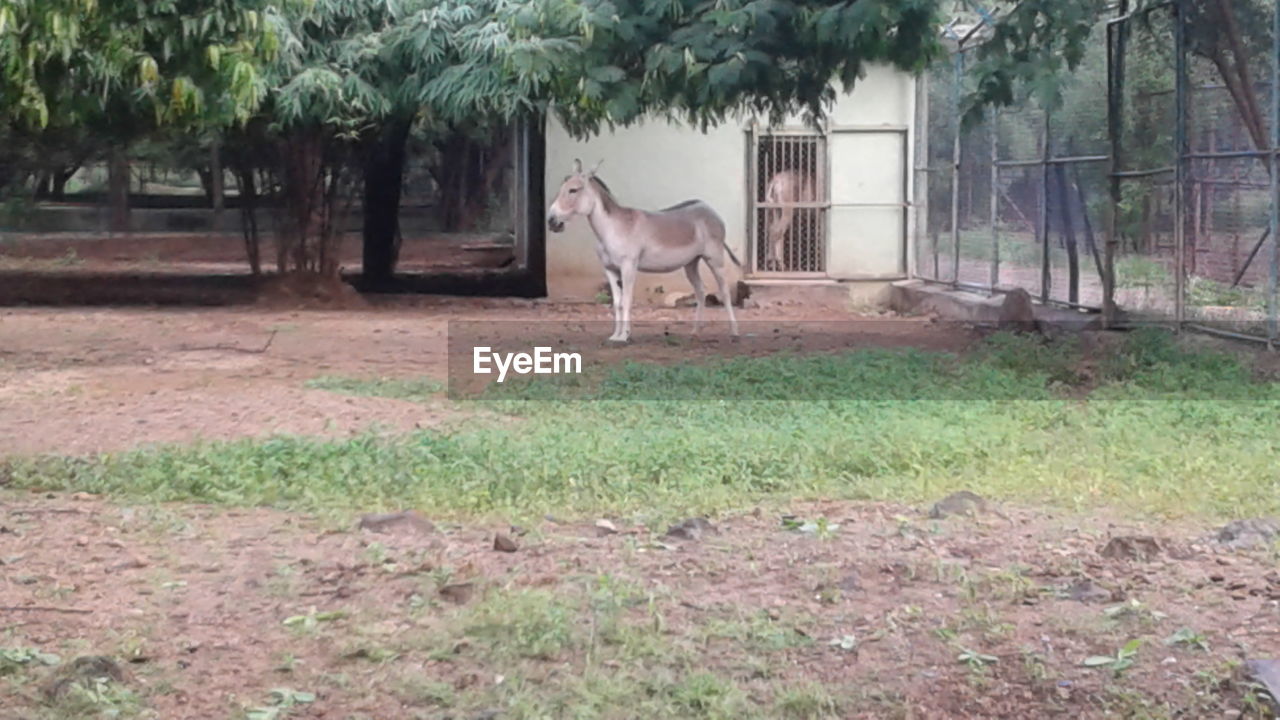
x,y
61,177
216,190
248,189
118,190
383,186
467,173
303,190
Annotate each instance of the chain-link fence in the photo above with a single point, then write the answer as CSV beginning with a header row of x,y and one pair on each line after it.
x,y
1142,190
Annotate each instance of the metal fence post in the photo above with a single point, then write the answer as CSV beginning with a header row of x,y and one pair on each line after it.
x,y
955,170
1180,161
1273,281
994,130
1046,278
1115,107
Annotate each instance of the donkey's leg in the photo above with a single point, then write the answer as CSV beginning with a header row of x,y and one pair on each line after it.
x,y
779,237
773,258
699,293
628,289
717,271
615,292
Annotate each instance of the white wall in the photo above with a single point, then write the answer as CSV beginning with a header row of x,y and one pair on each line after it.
x,y
656,164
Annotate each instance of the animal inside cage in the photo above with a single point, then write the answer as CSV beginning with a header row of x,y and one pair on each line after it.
x,y
790,203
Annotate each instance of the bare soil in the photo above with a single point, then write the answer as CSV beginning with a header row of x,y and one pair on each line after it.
x,y
196,603
77,381
224,253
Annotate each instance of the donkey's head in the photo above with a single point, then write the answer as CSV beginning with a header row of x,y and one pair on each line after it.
x,y
577,196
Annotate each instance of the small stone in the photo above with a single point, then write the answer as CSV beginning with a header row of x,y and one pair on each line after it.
x,y
458,593
958,503
82,541
850,582
1131,547
677,299
408,522
82,670
503,543
1249,533
604,527
1086,591
1016,312
691,529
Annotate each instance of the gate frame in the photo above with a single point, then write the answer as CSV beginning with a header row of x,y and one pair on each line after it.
x,y
825,205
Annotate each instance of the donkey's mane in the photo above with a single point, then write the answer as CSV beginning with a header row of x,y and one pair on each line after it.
x,y
602,184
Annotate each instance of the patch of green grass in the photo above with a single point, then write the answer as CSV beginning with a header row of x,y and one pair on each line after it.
x,y
1138,271
417,389
806,702
1166,430
529,624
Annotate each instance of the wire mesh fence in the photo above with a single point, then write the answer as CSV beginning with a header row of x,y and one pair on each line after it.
x,y
1142,190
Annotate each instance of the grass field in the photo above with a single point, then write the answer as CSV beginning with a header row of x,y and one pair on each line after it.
x,y
1149,427
245,594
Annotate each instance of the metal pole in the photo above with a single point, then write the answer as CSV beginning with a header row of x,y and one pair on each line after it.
x,y
1046,278
955,170
921,133
1115,106
1180,165
995,197
1273,282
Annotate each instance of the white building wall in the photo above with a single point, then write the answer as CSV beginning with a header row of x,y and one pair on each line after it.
x,y
656,164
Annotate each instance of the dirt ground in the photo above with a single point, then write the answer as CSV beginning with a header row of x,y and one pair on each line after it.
x,y
211,253
892,614
82,381
876,611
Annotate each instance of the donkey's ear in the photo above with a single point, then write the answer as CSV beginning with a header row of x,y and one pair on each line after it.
x,y
597,167
577,166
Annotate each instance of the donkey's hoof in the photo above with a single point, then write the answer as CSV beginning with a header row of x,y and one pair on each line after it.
x,y
615,340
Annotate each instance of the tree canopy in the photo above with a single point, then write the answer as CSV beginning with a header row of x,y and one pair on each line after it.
x,y
592,62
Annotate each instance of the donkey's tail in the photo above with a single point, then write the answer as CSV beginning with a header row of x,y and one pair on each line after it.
x,y
729,250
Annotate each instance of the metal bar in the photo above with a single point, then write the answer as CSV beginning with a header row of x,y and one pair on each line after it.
x,y
1125,15
1273,298
825,215
753,192
1046,277
1054,161
1225,333
995,199
1115,101
1143,173
1181,151
1229,154
955,170
869,129
904,262
827,206
1092,309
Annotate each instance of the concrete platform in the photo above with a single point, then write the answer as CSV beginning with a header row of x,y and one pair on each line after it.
x,y
917,297
820,293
